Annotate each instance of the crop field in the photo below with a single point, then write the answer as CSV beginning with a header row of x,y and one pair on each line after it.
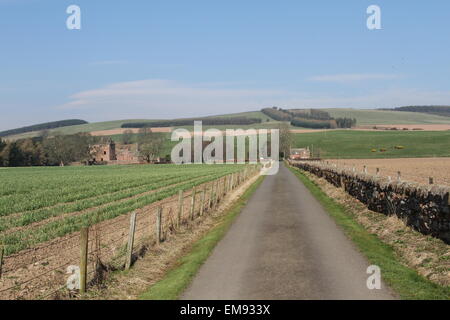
x,y
411,169
351,144
42,203
386,117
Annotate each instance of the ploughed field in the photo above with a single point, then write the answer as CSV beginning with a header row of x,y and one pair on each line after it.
x,y
411,169
43,203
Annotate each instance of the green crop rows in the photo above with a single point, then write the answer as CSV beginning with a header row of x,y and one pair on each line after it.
x,y
73,197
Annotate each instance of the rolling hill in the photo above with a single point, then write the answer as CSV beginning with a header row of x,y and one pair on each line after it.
x,y
384,117
364,117
117,124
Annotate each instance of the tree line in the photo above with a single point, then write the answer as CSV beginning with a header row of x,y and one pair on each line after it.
x,y
308,118
437,110
189,122
46,151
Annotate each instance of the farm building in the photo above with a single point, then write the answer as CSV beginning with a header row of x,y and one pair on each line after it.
x,y
300,153
111,153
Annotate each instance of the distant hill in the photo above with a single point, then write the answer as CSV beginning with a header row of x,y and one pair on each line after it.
x,y
117,124
364,117
436,110
43,126
387,117
309,118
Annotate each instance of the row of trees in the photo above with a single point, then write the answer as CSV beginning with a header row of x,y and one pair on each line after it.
x,y
345,122
437,110
46,151
313,124
189,122
314,114
64,149
277,114
308,118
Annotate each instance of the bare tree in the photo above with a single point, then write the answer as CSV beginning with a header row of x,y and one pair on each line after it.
x,y
286,139
150,144
127,136
63,149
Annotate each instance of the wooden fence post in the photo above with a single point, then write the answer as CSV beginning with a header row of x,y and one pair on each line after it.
x,y
2,250
159,223
130,240
211,195
430,181
216,193
180,208
84,240
202,201
193,204
224,187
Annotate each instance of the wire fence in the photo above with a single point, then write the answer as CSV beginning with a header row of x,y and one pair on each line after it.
x,y
396,171
61,269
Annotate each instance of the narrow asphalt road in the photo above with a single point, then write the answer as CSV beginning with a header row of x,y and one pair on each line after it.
x,y
284,245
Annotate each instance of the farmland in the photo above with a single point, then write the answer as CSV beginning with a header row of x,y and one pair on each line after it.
x,y
40,204
386,117
412,169
350,144
111,125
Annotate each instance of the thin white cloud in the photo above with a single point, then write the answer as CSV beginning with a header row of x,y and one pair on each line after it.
x,y
355,77
157,98
164,98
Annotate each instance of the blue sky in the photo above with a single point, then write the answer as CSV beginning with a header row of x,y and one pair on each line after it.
x,y
165,59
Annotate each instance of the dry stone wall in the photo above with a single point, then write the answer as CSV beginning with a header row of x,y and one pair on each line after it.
x,y
423,207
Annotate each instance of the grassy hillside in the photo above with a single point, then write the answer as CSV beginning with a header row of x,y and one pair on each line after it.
x,y
43,126
359,144
250,114
371,117
364,117
95,126
108,125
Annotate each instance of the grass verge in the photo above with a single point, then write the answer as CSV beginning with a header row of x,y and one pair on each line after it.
x,y
406,282
177,279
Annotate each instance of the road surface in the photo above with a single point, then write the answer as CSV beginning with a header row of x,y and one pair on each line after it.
x,y
284,245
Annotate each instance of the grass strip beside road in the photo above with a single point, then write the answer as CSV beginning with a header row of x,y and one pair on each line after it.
x,y
403,280
178,279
